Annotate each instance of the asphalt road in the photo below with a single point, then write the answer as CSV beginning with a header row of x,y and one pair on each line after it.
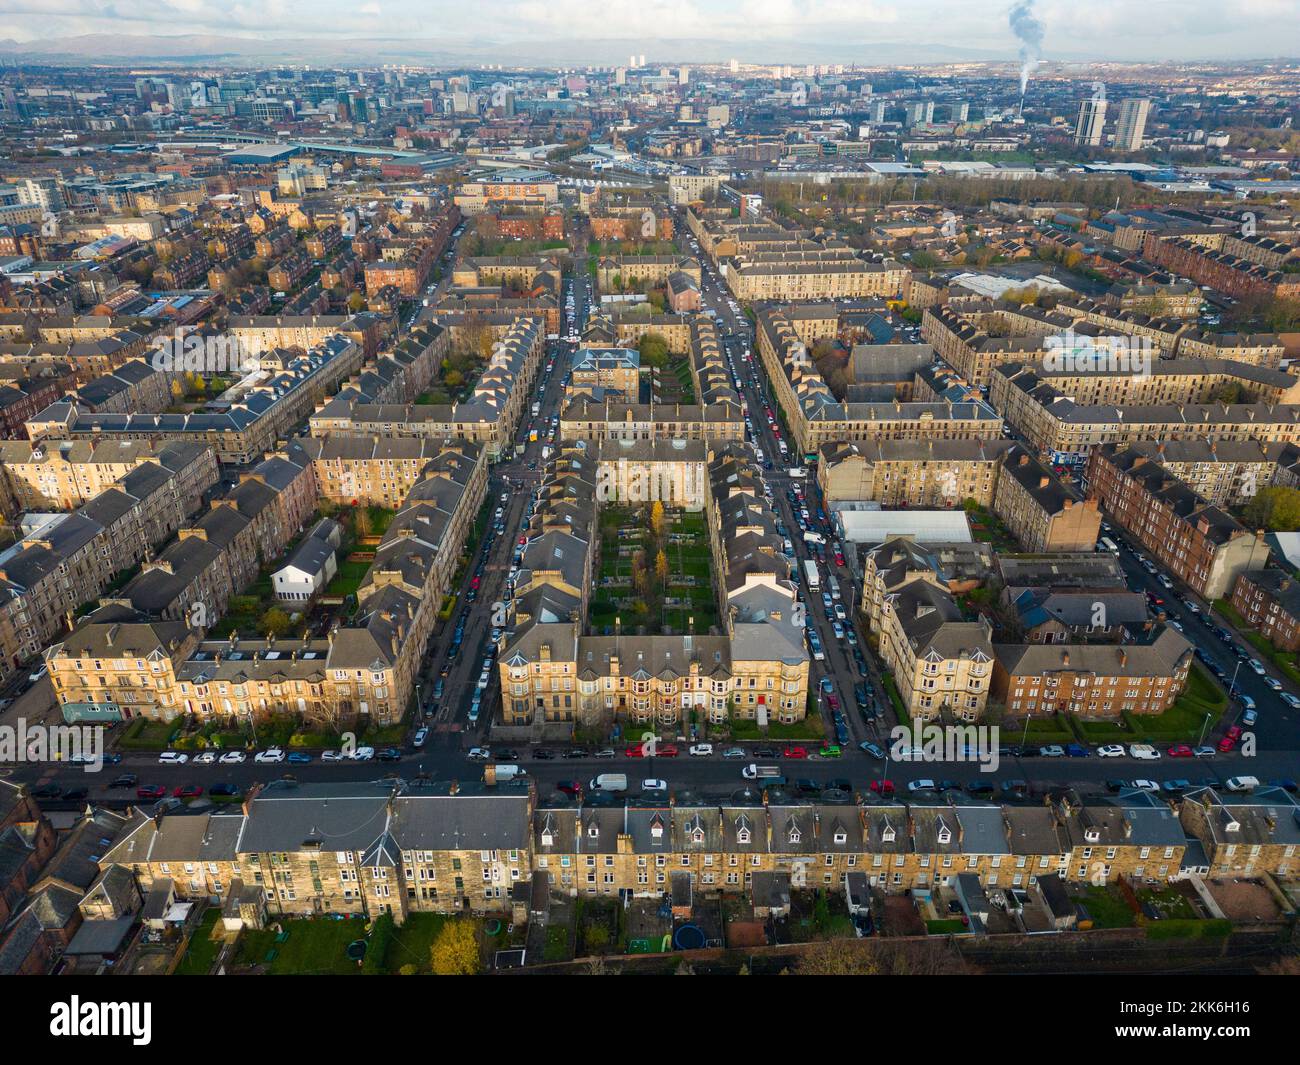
x,y
444,755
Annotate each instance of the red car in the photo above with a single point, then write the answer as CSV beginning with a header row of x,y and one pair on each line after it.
x,y
667,750
634,751
1180,750
570,787
883,787
188,791
833,701
476,582
150,791
795,752
839,558
1230,739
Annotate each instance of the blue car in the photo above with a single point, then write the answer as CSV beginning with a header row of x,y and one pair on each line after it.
x,y
1076,750
299,757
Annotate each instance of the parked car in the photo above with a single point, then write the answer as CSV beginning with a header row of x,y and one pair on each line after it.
x,y
187,791
795,752
734,752
871,749
271,754
173,758
1179,750
150,792
205,758
299,757
126,780
1111,750
701,750
233,758
478,754
882,787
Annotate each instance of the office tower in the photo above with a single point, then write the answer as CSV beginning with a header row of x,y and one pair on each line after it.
x,y
1131,124
735,66
683,75
878,111
631,61
1092,118
640,60
620,76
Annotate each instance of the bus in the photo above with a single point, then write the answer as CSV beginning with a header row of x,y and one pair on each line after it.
x,y
811,574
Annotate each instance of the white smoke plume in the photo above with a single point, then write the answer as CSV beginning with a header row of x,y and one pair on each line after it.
x,y
1029,31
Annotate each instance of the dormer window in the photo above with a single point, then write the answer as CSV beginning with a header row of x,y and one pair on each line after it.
x,y
795,835
697,835
593,831
841,836
547,839
1092,835
887,834
945,833
742,835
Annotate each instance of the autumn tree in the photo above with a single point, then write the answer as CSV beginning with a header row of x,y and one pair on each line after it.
x,y
455,951
661,568
658,520
275,622
1276,509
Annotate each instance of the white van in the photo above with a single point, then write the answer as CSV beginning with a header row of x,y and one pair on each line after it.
x,y
503,774
811,537
1241,783
609,782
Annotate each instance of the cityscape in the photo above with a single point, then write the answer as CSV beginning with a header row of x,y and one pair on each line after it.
x,y
671,498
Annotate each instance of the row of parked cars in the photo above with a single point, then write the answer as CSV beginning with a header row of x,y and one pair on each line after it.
x,y
275,755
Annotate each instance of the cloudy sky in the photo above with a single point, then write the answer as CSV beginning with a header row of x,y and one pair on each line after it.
x,y
847,29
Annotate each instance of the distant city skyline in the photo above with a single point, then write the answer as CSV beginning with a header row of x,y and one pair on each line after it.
x,y
868,32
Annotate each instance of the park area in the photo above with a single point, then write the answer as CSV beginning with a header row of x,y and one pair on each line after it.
x,y
654,577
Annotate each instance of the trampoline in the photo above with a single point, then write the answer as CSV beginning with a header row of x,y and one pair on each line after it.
x,y
356,950
688,937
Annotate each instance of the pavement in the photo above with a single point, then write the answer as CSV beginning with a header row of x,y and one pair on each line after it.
x,y
443,756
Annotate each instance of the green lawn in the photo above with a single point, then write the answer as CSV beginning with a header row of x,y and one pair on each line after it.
x,y
348,579
1107,909
314,947
202,949
945,927
413,939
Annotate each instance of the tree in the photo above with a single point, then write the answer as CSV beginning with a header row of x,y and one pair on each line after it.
x,y
1276,509
275,622
661,568
654,350
355,302
657,519
362,523
455,950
